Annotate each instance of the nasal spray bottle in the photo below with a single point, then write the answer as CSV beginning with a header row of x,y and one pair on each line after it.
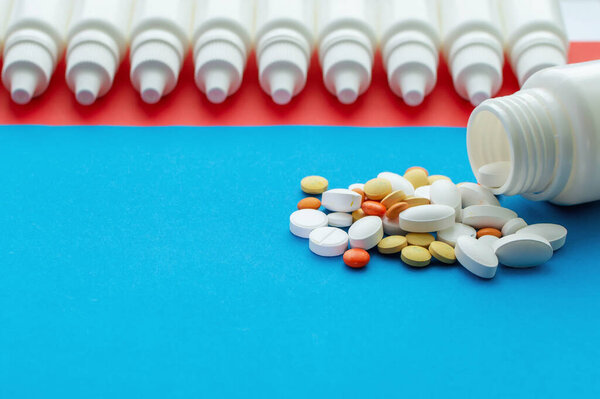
x,y
96,43
473,46
347,42
410,43
35,40
5,7
284,45
222,40
159,43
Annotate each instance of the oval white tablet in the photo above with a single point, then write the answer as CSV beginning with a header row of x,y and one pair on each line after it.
x,y
474,194
523,250
423,192
391,227
481,216
451,234
366,233
512,226
488,240
427,218
494,174
444,192
341,200
304,221
554,233
398,182
356,185
477,257
328,241
340,219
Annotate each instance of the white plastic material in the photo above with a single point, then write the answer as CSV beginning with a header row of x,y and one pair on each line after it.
x,y
341,200
97,41
472,45
535,35
347,42
159,43
222,41
284,45
5,7
549,132
366,232
410,43
328,241
35,40
304,221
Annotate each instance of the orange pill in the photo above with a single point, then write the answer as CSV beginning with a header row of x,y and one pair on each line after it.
x,y
417,167
373,208
356,258
396,209
361,192
309,203
489,231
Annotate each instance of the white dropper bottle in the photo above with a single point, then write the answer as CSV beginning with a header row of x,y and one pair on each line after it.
x,y
473,46
5,7
96,43
222,40
535,35
159,43
35,41
410,42
285,41
347,42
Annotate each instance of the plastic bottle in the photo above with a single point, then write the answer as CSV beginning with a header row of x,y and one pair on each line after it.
x,y
97,40
159,43
5,7
535,35
548,134
472,44
347,42
35,40
222,41
410,43
285,41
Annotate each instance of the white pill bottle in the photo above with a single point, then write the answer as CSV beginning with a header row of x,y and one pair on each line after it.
x,y
5,7
549,132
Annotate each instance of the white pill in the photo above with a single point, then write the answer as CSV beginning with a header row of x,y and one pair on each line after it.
x,y
474,194
356,185
391,227
340,219
328,241
366,233
423,192
427,218
341,200
451,234
477,257
398,182
488,240
554,233
304,221
523,250
494,174
444,192
512,226
480,216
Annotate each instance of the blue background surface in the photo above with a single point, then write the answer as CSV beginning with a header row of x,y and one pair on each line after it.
x,y
157,262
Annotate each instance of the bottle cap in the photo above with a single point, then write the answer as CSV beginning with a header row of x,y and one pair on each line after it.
x,y
536,58
86,85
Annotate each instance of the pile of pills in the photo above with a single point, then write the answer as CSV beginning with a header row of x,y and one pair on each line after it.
x,y
422,218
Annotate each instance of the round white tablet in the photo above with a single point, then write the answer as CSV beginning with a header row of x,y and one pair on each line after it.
x,y
398,182
366,233
423,192
451,234
481,216
477,257
512,226
554,233
523,250
340,219
444,192
356,185
474,194
304,221
488,240
427,218
494,174
391,227
328,241
341,200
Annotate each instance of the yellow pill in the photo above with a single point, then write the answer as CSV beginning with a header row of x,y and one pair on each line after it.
x,y
416,256
417,177
392,245
393,198
377,189
416,201
314,184
442,252
420,239
434,178
358,214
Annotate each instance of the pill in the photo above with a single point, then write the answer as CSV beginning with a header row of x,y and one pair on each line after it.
x,y
442,252
328,241
489,231
427,218
416,201
314,184
396,209
341,200
398,182
420,168
444,192
417,177
523,250
488,240
477,257
512,226
416,256
357,215
420,239
362,194
474,194
373,208
391,227
309,203
451,234
423,192
432,179
339,219
304,221
392,244
554,233
494,174
360,186
366,232
480,216
393,198
356,258
377,189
